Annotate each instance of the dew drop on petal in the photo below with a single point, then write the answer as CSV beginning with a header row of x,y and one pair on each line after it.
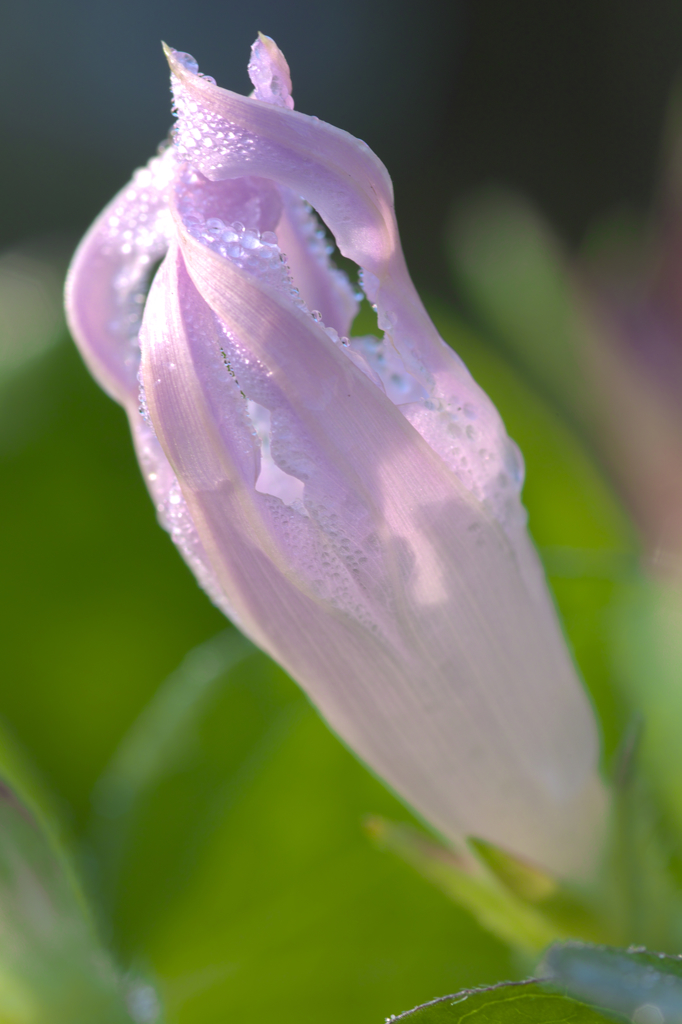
x,y
187,61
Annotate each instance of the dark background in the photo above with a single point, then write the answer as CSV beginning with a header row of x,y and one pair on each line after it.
x,y
563,100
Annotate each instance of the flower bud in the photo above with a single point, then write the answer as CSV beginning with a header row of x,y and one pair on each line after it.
x,y
351,503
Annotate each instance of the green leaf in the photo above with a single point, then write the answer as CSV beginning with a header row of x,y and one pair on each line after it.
x,y
468,882
525,907
516,277
580,983
160,737
100,607
647,630
508,1003
644,986
53,970
239,872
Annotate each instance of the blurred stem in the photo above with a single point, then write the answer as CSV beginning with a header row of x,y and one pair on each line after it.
x,y
627,865
632,902
469,881
642,897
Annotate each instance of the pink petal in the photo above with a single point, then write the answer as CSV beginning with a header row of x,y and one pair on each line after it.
x,y
338,175
109,274
427,642
269,72
224,135
172,510
322,286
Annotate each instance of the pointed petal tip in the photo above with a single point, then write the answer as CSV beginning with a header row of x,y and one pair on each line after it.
x,y
268,44
180,63
168,53
269,72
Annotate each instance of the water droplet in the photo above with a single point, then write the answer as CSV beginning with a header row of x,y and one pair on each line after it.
x,y
316,315
187,61
251,240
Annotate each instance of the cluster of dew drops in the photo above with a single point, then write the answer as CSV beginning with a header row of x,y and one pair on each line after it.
x,y
257,253
200,130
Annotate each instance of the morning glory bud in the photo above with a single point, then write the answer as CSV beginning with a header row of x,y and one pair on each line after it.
x,y
352,504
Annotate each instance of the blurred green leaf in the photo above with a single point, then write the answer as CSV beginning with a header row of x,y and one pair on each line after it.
x,y
469,883
31,300
53,970
638,889
529,909
164,733
647,631
164,740
238,871
508,1003
98,607
515,276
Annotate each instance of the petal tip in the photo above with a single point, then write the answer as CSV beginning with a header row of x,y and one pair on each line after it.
x,y
269,73
169,53
179,62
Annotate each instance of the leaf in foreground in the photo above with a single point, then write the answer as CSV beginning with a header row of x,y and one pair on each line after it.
x,y
520,1002
53,970
645,986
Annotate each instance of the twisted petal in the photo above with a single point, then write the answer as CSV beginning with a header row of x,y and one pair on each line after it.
x,y
108,278
105,294
225,135
392,596
322,287
269,73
